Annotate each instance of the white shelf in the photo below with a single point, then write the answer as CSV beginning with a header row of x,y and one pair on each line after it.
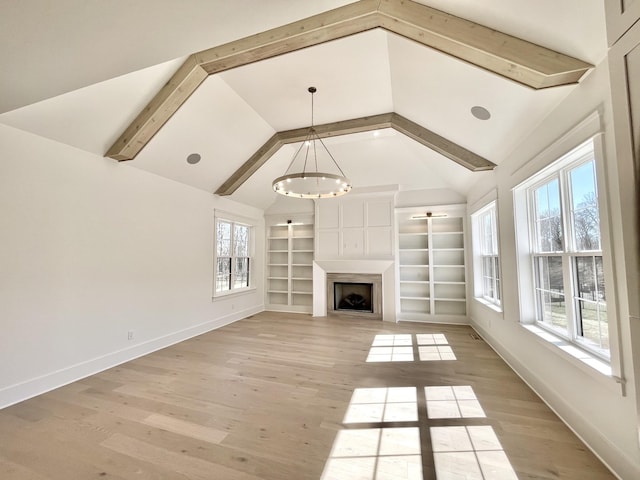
x,y
290,249
431,265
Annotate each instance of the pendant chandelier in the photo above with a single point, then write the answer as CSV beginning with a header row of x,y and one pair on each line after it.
x,y
308,181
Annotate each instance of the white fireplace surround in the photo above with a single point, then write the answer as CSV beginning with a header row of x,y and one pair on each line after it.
x,y
380,267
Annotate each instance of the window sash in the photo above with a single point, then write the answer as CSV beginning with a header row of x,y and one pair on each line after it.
x,y
566,311
491,278
486,255
233,259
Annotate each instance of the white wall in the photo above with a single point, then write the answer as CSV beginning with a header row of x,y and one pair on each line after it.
x,y
92,249
592,405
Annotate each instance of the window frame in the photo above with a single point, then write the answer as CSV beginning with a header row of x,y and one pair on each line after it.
x,y
233,258
480,255
524,200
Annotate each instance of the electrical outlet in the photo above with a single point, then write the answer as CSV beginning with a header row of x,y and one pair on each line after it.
x,y
130,335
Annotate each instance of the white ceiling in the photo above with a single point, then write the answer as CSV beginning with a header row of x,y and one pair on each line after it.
x,y
129,50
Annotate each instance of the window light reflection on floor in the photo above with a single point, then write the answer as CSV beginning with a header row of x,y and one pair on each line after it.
x,y
375,453
453,402
391,348
433,347
471,452
395,404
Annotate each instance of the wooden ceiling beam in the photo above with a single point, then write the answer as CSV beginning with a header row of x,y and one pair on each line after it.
x,y
506,55
403,125
495,51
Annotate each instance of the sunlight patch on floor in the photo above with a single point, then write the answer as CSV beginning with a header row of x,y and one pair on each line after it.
x,y
434,347
471,452
396,404
453,402
375,453
391,348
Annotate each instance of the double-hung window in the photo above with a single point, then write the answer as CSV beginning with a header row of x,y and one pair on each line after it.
x,y
566,252
487,260
233,256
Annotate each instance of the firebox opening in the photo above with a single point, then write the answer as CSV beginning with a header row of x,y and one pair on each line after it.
x,y
353,296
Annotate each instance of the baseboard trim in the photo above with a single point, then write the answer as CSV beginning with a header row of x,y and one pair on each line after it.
x,y
627,467
36,386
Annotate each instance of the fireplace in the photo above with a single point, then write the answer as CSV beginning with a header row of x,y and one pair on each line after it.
x,y
354,295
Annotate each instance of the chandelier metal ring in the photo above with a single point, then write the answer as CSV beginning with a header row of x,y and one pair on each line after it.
x,y
312,183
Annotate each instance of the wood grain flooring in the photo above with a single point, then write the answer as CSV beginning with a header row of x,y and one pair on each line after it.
x,y
284,396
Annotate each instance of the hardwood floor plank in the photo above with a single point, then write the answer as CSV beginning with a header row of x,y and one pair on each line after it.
x,y
188,429
275,396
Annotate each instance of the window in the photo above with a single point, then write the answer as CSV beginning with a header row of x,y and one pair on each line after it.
x,y
485,247
566,251
233,257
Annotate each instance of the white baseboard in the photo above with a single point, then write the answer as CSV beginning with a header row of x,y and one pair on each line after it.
x,y
36,386
625,467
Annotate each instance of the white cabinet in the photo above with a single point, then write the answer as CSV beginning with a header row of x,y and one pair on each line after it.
x,y
289,268
355,228
431,265
621,15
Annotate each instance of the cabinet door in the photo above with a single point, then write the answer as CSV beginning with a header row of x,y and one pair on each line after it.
x,y
328,214
379,242
352,242
379,214
353,213
328,244
624,66
621,15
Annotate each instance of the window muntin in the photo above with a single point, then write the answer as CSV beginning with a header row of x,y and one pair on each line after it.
x,y
486,229
566,254
233,257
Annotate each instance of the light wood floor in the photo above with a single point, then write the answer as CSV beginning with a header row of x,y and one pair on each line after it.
x,y
281,396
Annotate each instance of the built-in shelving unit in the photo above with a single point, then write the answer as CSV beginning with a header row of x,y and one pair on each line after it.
x,y
289,267
431,265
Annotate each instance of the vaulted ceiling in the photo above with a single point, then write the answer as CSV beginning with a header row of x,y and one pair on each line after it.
x,y
82,73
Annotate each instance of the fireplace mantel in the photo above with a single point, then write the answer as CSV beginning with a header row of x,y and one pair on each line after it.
x,y
385,268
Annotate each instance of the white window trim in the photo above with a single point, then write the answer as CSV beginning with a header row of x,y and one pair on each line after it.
x,y
560,172
234,219
530,173
477,236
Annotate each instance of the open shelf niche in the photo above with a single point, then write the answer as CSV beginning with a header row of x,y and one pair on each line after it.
x,y
290,264
430,264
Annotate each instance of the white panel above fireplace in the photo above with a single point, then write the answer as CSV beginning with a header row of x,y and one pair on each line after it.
x,y
355,227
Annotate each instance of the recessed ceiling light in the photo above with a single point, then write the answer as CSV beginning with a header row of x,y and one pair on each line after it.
x,y
480,113
193,158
